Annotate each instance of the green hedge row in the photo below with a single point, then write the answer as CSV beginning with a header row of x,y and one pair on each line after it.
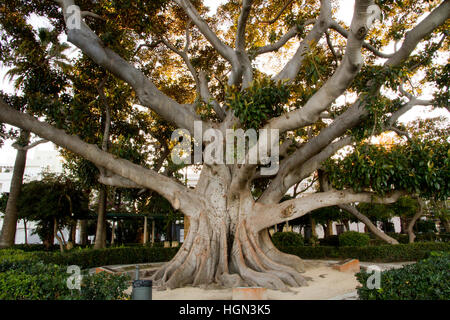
x,y
427,279
89,258
35,280
384,253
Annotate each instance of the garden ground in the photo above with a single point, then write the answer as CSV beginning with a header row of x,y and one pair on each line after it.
x,y
326,283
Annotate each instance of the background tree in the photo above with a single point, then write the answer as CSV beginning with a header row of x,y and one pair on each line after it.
x,y
228,242
37,61
55,203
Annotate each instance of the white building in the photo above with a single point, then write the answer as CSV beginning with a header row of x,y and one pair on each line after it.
x,y
38,161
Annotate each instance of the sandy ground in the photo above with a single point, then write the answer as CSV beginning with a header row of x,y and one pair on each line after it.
x,y
326,283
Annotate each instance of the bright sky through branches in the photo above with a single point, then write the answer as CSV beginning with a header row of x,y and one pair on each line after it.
x,y
267,63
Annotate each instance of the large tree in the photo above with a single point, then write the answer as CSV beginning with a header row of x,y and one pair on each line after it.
x,y
228,242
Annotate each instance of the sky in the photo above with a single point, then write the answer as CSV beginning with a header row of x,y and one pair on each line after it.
x,y
7,153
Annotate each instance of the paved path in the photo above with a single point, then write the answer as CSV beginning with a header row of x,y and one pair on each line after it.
x,y
342,287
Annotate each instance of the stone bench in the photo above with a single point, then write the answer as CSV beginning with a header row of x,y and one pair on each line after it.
x,y
349,265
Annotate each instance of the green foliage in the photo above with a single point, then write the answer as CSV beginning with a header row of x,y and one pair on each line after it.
x,y
333,213
353,239
263,100
428,279
54,198
287,239
421,237
102,286
416,167
330,241
89,258
3,201
35,280
426,226
383,253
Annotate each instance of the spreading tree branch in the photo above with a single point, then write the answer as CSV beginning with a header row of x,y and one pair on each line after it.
x,y
170,189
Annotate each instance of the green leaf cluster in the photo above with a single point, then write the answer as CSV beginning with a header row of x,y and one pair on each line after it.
x,y
428,279
418,167
353,239
255,105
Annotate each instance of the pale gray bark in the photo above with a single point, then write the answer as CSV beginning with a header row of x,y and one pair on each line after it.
x,y
412,222
373,228
269,214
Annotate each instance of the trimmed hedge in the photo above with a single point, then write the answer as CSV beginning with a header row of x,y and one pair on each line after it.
x,y
330,241
287,239
353,239
385,253
40,281
27,276
427,279
89,258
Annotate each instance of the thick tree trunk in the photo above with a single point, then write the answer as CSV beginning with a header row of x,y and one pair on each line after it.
x,y
411,224
100,235
373,228
217,252
8,234
223,249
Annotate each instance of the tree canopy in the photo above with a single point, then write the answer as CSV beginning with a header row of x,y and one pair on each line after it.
x,y
170,64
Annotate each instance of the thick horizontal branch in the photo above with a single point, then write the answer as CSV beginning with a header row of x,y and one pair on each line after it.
x,y
118,181
265,216
170,189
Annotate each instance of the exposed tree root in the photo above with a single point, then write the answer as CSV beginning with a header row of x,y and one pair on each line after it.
x,y
203,261
276,255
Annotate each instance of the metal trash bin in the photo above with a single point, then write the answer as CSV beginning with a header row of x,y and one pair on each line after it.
x,y
142,289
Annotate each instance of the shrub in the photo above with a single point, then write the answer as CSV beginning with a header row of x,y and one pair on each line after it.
x,y
384,253
400,237
353,239
87,258
428,279
330,241
287,239
377,242
40,281
426,226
